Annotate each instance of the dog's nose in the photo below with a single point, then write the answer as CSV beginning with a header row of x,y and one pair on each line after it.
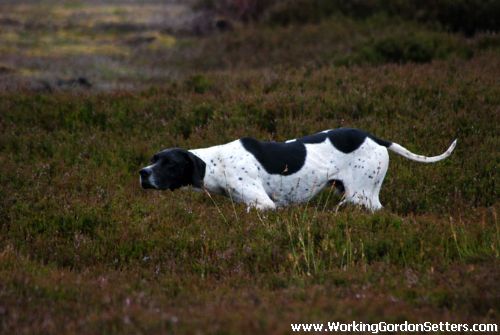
x,y
145,173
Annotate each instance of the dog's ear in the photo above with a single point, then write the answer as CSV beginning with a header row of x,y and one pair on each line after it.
x,y
198,170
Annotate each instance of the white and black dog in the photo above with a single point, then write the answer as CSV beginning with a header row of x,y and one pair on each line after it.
x,y
270,174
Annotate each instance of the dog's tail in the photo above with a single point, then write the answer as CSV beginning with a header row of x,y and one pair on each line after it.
x,y
400,150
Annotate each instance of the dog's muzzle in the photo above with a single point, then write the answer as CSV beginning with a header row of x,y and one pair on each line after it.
x,y
146,178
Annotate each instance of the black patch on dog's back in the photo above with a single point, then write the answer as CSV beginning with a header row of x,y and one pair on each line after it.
x,y
343,139
286,158
277,157
313,139
380,141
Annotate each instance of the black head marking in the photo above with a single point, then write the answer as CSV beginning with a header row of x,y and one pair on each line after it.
x,y
174,168
198,170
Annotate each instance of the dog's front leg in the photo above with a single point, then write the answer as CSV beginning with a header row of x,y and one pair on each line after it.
x,y
253,197
261,205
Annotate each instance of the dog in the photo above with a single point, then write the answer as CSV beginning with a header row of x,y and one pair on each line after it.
x,y
267,175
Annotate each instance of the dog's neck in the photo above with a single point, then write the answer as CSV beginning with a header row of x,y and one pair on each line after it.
x,y
213,163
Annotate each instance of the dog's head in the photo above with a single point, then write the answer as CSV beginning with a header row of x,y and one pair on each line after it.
x,y
173,168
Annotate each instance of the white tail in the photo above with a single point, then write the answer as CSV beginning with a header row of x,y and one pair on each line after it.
x,y
419,158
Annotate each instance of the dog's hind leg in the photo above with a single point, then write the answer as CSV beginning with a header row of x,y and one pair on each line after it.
x,y
363,190
361,198
379,172
364,180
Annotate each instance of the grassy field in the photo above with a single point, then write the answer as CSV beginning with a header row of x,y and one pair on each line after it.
x,y
83,249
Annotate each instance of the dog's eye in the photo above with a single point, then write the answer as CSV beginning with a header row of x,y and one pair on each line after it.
x,y
154,159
